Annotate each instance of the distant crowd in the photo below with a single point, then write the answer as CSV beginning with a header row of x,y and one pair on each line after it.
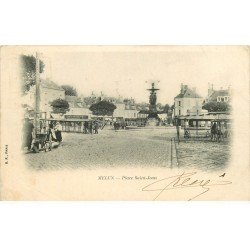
x,y
90,127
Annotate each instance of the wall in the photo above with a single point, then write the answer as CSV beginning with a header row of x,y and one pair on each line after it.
x,y
79,111
120,111
188,104
48,95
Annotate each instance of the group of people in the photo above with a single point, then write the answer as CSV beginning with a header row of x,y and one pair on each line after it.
x,y
219,131
91,127
56,132
119,125
29,137
123,124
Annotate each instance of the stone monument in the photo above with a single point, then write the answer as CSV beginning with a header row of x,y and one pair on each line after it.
x,y
153,118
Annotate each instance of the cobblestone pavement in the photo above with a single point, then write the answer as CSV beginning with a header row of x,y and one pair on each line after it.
x,y
147,147
205,155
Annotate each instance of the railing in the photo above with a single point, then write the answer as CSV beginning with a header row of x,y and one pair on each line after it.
x,y
74,127
69,126
197,132
205,133
174,152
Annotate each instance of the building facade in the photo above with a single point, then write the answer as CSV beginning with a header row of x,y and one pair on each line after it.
x,y
125,111
222,95
73,120
49,91
188,102
77,108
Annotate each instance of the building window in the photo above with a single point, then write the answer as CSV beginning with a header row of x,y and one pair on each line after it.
x,y
179,112
179,103
218,99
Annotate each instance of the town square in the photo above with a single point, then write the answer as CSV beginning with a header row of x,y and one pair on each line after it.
x,y
112,125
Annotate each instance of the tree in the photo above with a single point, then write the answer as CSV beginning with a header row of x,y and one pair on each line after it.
x,y
69,90
28,72
166,108
103,108
89,100
217,106
60,106
159,106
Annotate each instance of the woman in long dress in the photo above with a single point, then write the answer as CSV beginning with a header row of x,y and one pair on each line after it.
x,y
58,129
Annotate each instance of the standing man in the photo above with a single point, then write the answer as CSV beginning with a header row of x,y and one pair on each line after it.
x,y
90,127
28,128
86,126
58,132
96,127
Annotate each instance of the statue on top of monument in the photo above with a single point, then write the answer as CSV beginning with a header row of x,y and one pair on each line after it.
x,y
152,98
152,112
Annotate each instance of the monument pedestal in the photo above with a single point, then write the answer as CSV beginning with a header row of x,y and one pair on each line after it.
x,y
153,118
152,122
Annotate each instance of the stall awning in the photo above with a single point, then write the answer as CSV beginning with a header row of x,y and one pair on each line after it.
x,y
207,117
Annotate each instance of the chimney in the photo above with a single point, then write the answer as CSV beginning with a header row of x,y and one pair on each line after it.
x,y
210,89
182,88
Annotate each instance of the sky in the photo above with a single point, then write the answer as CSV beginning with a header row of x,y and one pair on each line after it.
x,y
129,71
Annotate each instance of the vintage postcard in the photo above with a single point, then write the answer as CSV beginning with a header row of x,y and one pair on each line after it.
x,y
139,123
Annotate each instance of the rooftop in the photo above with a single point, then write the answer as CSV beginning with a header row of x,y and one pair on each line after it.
x,y
76,101
50,85
209,116
188,93
216,93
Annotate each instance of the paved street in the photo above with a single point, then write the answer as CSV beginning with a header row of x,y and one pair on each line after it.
x,y
205,155
147,147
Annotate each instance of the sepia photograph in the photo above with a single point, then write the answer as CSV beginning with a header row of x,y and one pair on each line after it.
x,y
124,108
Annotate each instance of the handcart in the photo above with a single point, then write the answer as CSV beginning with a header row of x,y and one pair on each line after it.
x,y
42,137
43,141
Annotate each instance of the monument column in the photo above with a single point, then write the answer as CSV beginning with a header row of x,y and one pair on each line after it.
x,y
153,118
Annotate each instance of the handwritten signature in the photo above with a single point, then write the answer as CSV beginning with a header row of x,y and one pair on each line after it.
x,y
184,180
